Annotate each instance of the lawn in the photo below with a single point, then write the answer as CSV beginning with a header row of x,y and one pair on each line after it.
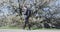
x,y
5,27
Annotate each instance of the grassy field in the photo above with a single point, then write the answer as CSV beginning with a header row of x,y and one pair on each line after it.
x,y
27,28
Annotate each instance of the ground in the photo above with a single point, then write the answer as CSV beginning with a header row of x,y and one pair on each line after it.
x,y
21,30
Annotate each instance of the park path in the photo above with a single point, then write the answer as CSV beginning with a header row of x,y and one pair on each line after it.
x,y
21,30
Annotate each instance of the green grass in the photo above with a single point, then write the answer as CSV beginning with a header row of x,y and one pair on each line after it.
x,y
42,28
5,27
9,27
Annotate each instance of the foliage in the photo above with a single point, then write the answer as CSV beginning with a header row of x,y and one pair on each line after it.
x,y
43,11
